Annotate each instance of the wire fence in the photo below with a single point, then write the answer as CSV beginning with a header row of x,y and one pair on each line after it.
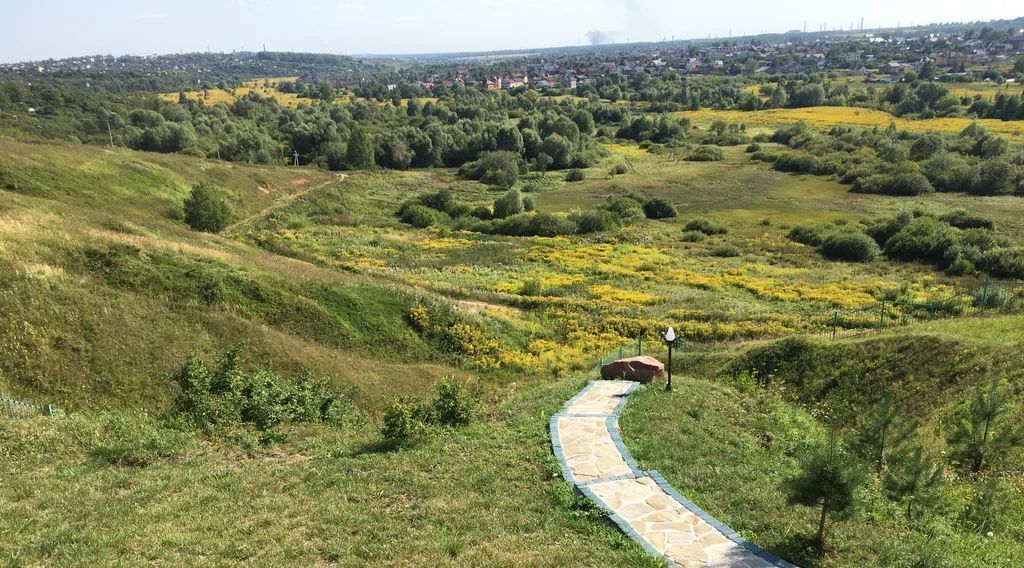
x,y
12,408
992,296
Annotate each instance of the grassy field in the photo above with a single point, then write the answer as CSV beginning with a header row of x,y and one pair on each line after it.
x,y
266,87
825,117
112,291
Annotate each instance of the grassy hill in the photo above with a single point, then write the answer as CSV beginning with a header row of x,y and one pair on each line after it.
x,y
732,445
317,276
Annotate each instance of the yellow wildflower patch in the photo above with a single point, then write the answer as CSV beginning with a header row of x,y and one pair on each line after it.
x,y
610,294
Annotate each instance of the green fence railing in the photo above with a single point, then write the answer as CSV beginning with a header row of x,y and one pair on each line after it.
x,y
991,296
12,408
632,349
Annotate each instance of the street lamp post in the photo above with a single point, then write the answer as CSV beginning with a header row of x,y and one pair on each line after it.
x,y
670,338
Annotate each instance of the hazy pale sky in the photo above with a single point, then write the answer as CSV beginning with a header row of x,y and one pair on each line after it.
x,y
60,28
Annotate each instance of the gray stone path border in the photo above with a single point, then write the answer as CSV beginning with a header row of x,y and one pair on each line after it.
x,y
742,553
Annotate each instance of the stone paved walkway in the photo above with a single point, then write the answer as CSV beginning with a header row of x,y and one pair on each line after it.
x,y
585,438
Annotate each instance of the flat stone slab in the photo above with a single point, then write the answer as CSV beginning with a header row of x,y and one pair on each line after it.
x,y
585,438
589,449
603,397
669,527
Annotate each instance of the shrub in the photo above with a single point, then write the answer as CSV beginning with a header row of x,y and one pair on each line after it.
x,y
402,424
575,174
508,205
923,239
550,225
796,162
627,209
528,204
452,406
658,208
619,169
812,235
900,184
1004,262
419,216
706,226
960,267
595,221
850,246
693,236
440,201
726,251
963,220
207,209
500,168
460,210
481,212
706,154
755,147
226,395
883,229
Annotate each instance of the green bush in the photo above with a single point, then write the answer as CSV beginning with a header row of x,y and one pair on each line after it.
x,y
900,184
575,174
726,251
595,221
419,216
508,205
1004,262
402,424
619,169
754,147
481,212
439,201
452,406
226,395
500,168
812,235
963,220
924,239
658,208
627,209
706,226
550,225
207,209
960,267
693,236
850,246
528,204
796,162
706,154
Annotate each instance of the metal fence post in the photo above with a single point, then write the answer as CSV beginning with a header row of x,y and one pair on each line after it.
x,y
835,324
881,316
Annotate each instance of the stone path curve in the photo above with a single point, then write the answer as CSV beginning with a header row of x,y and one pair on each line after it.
x,y
586,441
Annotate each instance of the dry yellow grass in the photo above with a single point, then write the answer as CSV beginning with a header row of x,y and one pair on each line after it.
x,y
986,90
824,117
267,88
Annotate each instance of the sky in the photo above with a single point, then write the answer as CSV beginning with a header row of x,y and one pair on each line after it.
x,y
44,29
